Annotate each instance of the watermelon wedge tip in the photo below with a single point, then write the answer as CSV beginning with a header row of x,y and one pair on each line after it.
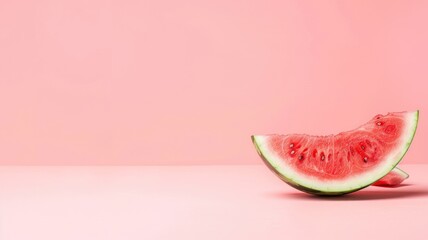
x,y
392,179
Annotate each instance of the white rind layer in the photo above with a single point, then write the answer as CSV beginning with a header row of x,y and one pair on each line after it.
x,y
343,185
400,172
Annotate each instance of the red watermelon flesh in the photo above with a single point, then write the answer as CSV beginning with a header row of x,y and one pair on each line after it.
x,y
393,179
341,163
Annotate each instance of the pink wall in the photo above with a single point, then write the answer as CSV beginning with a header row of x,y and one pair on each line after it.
x,y
187,82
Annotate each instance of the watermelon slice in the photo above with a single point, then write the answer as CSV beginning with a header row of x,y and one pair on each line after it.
x,y
341,163
393,179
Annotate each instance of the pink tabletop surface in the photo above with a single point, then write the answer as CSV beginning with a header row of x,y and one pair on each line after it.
x,y
199,202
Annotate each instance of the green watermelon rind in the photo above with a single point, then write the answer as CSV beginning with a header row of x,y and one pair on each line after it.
x,y
346,186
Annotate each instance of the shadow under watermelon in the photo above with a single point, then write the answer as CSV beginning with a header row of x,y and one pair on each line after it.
x,y
371,193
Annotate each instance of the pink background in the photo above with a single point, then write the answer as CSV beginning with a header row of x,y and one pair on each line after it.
x,y
187,82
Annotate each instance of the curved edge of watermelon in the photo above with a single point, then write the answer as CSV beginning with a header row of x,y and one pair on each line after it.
x,y
314,186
